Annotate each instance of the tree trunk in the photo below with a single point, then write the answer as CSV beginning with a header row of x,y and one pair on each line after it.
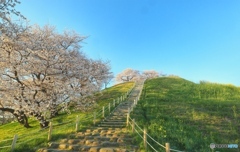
x,y
26,124
3,118
21,117
42,121
55,112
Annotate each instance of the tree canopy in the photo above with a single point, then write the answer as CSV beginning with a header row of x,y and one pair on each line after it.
x,y
40,69
133,75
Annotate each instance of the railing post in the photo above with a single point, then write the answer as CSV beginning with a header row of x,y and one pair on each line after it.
x,y
94,118
114,103
103,112
50,131
133,125
14,142
145,138
167,147
77,123
109,107
127,119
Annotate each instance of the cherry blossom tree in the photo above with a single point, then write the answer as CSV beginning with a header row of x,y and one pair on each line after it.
x,y
148,74
7,7
41,69
134,75
128,75
11,57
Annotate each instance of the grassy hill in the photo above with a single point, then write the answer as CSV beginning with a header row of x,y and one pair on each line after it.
x,y
32,138
189,116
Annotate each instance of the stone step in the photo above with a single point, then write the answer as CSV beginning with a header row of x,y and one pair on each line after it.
x,y
91,149
112,137
113,125
55,150
90,143
116,118
102,134
109,135
113,122
119,115
106,128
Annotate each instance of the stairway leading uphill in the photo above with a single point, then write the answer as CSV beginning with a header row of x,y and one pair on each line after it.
x,y
110,135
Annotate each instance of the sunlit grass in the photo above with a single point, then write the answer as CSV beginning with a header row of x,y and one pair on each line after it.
x,y
190,116
31,139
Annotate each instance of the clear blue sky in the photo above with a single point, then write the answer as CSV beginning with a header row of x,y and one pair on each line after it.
x,y
194,39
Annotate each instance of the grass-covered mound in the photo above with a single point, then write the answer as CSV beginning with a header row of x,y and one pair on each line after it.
x,y
29,140
189,116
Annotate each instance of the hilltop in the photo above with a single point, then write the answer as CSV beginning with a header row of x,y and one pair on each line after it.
x,y
189,116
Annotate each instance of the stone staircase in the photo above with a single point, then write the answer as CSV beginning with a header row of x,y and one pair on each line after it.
x,y
110,135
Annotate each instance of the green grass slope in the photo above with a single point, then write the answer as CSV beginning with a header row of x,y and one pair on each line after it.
x,y
189,116
31,139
